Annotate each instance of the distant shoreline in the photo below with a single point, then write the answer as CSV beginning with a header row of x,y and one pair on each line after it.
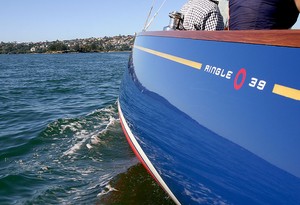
x,y
89,45
53,53
73,52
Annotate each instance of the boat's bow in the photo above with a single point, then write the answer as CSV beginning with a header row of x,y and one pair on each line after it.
x,y
214,116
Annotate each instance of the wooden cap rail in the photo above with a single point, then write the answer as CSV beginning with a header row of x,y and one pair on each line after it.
x,y
288,38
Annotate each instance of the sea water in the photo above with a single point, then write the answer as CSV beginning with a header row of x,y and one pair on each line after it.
x,y
60,137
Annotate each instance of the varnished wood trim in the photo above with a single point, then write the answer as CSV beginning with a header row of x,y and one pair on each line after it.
x,y
288,38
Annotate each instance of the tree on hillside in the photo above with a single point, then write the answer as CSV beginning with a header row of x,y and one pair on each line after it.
x,y
58,46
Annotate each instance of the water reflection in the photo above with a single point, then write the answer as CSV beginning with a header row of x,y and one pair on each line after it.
x,y
197,164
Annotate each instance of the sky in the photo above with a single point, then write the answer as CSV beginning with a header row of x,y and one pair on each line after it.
x,y
50,20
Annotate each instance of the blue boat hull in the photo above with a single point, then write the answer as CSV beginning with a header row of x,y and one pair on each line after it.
x,y
215,122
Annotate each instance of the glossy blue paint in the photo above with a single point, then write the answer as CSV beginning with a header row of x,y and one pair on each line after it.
x,y
210,142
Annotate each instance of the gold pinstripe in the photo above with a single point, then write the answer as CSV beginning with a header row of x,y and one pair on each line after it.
x,y
183,61
286,92
278,89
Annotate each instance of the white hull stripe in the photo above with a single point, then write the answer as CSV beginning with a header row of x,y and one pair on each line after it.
x,y
143,156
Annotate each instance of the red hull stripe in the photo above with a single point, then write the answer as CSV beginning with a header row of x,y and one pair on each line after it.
x,y
142,156
136,152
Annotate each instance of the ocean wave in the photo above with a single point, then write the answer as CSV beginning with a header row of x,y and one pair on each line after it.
x,y
75,160
84,132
